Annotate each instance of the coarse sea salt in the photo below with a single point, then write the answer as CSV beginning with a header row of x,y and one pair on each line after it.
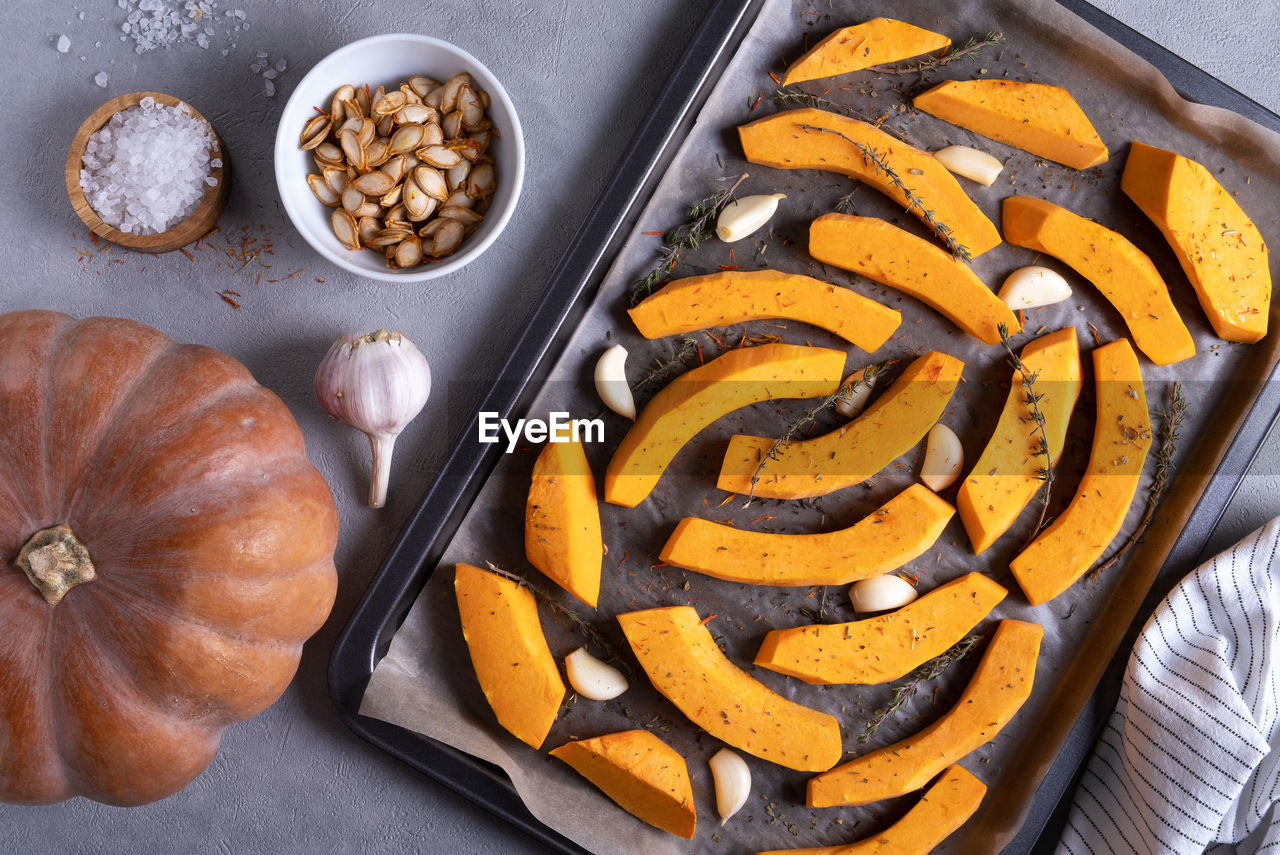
x,y
148,168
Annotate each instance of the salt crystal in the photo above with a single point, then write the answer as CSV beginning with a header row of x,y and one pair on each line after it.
x,y
271,74
101,79
64,44
81,16
269,87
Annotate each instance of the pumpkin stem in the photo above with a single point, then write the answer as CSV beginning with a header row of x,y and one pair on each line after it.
x,y
55,561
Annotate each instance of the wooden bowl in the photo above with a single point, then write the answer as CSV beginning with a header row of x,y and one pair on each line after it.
x,y
197,225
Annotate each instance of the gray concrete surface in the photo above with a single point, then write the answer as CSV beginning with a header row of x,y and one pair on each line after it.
x,y
293,779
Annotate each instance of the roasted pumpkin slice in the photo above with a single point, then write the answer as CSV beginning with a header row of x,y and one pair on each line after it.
x,y
879,649
853,452
1117,268
676,650
815,139
515,668
734,296
1005,477
698,397
944,807
562,521
1218,246
902,529
644,775
1035,117
998,689
884,253
873,42
1121,437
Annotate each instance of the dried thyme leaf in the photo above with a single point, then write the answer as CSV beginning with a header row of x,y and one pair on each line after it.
x,y
971,49
906,690
1032,399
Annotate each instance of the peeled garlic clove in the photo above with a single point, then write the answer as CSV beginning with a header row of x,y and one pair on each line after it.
x,y
880,594
591,678
1032,287
970,163
851,403
611,382
733,782
943,457
743,216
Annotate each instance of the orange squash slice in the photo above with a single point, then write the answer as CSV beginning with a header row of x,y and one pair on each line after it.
x,y
1121,437
734,296
676,650
879,649
644,775
784,142
900,530
1004,478
700,396
995,693
944,807
517,672
873,42
853,452
562,521
1041,119
884,253
1117,268
1218,246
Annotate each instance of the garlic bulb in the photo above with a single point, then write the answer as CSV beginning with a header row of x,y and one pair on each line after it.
x,y
1033,287
733,782
375,383
743,216
591,678
611,382
880,594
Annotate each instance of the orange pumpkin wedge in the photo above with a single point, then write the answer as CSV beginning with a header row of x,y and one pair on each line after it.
x,y
700,396
1218,246
734,296
516,670
562,521
815,139
879,649
683,662
886,254
944,807
853,452
644,775
1117,268
1035,117
995,693
873,42
900,530
1121,437
1004,478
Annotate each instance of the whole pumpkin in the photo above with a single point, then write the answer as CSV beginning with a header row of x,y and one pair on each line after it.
x,y
165,550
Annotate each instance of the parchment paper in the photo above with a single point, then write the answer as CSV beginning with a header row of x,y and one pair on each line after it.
x,y
426,683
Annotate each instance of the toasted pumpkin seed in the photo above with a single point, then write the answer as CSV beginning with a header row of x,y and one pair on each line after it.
x,y
374,183
466,216
407,138
481,181
368,228
338,110
451,124
314,132
439,156
422,85
446,239
389,103
344,227
409,252
431,181
323,191
452,86
456,177
352,199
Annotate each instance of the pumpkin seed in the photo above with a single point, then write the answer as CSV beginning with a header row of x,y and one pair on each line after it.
x,y
410,97
395,167
422,85
352,149
469,108
327,154
352,199
409,252
431,227
323,191
481,181
389,103
457,176
417,114
431,181
391,237
344,227
392,197
397,216
449,96
451,124
432,98
369,209
314,132
407,138
432,135
446,239
439,156
466,216
368,228
459,199
374,183
362,100
377,153
368,130
352,109
385,126
338,111
336,178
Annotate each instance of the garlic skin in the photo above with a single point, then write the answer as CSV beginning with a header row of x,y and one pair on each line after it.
x,y
851,404
591,678
375,383
611,382
1033,287
881,593
743,216
970,163
732,777
943,458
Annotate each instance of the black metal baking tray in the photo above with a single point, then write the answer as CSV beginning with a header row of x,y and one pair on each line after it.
x,y
428,531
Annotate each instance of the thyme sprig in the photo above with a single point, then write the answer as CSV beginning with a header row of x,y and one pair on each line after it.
x,y
807,418
570,617
871,157
971,49
906,690
1032,399
1167,443
683,238
664,368
790,96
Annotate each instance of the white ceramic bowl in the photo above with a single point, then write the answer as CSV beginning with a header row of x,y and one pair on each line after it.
x,y
390,60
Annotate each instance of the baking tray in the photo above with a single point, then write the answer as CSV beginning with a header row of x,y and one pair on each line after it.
x,y
424,538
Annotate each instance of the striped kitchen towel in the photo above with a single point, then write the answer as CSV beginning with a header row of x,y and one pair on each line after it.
x,y
1185,763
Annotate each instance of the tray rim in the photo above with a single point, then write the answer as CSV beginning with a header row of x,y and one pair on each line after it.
x,y
424,536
